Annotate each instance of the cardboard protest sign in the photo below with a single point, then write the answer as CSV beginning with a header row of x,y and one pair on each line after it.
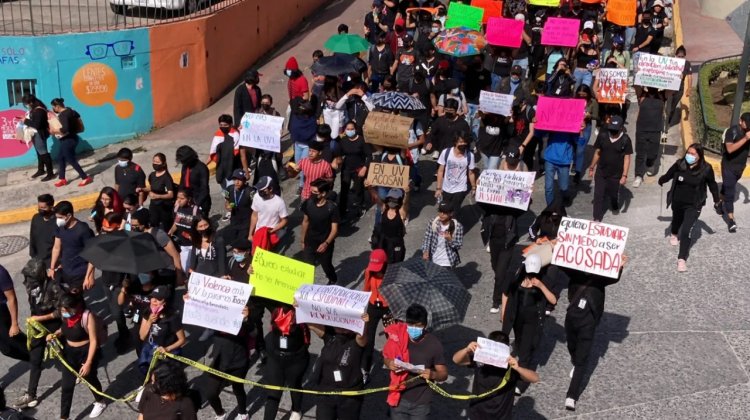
x,y
612,86
388,175
548,3
261,131
591,247
561,32
332,305
461,15
621,12
492,353
387,130
504,32
492,8
277,277
658,71
215,303
505,188
557,114
495,103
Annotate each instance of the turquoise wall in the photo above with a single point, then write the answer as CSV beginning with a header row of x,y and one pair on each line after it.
x,y
105,76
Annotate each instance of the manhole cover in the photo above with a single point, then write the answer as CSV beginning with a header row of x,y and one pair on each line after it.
x,y
12,244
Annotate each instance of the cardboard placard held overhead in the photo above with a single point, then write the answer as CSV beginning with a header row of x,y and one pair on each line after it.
x,y
504,32
559,114
215,303
277,277
461,15
561,32
388,175
261,131
332,305
496,103
387,130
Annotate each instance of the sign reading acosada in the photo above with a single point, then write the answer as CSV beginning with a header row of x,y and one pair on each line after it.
x,y
591,247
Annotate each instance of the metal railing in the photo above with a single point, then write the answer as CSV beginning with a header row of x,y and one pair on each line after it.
x,y
41,17
709,133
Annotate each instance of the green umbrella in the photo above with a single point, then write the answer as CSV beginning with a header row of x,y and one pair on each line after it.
x,y
347,44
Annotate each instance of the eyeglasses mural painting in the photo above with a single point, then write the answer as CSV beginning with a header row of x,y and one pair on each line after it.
x,y
101,50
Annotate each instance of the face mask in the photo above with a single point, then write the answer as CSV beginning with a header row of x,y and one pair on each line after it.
x,y
122,163
461,148
690,159
266,194
66,315
319,139
44,212
350,133
266,106
205,232
493,131
515,79
158,167
450,114
224,130
455,91
414,332
61,222
239,257
434,30
144,278
392,204
156,309
288,73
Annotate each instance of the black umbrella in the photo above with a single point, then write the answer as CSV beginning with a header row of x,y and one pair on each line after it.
x,y
338,64
124,252
427,284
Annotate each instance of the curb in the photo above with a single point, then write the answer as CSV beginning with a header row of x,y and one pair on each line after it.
x,y
686,126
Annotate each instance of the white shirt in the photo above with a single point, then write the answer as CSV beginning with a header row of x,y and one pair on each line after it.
x,y
440,256
455,176
270,212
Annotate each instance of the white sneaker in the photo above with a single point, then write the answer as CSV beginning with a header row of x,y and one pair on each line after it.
x,y
518,392
494,310
571,372
570,404
242,417
296,415
227,216
97,410
637,183
139,395
206,335
488,248
221,417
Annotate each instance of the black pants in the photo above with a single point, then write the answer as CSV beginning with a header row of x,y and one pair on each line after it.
x,y
376,314
111,291
36,357
605,188
526,328
729,179
325,259
215,384
500,262
285,371
67,156
350,181
76,357
162,215
15,347
646,150
70,283
534,148
580,336
683,219
338,408
258,306
454,199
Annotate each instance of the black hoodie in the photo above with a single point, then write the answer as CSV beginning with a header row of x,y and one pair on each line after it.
x,y
195,177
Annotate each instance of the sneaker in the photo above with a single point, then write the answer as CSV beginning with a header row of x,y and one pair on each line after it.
x,y
681,266
650,171
206,335
296,415
221,417
26,401
488,248
242,417
37,174
139,395
636,183
518,391
572,371
97,410
673,240
61,183
49,177
570,404
86,181
494,310
732,226
227,216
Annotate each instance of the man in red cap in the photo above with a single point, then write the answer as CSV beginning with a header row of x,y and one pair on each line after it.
x,y
378,307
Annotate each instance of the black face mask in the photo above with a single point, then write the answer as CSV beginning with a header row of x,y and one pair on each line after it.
x,y
265,106
158,167
224,130
205,233
45,213
461,148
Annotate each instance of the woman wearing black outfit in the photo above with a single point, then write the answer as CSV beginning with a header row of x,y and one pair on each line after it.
x,y
37,119
389,234
499,228
690,176
161,192
209,254
71,123
320,227
356,156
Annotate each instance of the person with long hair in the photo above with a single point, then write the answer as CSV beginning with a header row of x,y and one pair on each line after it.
x,y
356,156
161,192
108,201
36,118
167,396
185,212
81,350
390,232
161,328
208,255
690,177
71,123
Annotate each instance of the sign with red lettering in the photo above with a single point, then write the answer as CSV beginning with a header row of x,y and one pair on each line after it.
x,y
332,305
561,32
558,114
658,71
591,247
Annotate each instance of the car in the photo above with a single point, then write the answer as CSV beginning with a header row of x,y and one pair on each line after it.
x,y
187,6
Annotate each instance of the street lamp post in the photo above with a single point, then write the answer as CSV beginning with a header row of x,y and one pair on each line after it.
x,y
741,77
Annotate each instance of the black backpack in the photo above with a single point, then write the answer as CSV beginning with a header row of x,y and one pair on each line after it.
x,y
43,292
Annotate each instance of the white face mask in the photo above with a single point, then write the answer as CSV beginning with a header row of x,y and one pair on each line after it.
x,y
493,131
60,222
288,73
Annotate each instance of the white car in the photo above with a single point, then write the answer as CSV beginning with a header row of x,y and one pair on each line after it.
x,y
188,6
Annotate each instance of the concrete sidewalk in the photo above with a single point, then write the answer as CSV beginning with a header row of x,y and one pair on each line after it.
x,y
19,192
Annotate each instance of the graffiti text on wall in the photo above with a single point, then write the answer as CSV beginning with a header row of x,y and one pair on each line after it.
x,y
12,55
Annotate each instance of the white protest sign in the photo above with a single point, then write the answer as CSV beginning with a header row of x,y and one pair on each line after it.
x,y
492,353
332,305
591,247
261,131
505,188
416,369
215,303
495,103
658,71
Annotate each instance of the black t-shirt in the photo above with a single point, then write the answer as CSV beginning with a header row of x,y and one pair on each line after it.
x,y
164,331
381,61
738,160
183,220
499,405
476,81
502,65
643,32
241,202
423,91
650,115
42,237
153,407
355,152
407,62
296,340
129,178
138,295
331,150
161,185
321,219
612,154
491,144
6,284
340,362
428,352
658,19
72,241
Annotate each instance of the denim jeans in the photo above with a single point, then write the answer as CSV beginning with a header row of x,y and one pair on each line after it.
x,y
490,162
407,410
524,64
472,120
563,180
583,77
68,156
495,82
300,152
629,35
580,157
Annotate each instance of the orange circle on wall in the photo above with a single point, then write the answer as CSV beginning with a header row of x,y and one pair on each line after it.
x,y
95,85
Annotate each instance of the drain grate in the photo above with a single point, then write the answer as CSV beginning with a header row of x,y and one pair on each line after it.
x,y
12,244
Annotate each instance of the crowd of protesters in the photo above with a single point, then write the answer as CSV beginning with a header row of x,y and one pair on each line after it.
x,y
325,118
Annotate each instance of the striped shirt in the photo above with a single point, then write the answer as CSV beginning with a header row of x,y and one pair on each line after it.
x,y
313,171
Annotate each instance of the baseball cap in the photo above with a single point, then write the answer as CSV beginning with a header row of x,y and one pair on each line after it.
x,y
400,22
263,183
395,193
516,70
589,24
408,38
533,264
616,123
252,74
239,174
513,157
657,3
446,208
161,292
377,260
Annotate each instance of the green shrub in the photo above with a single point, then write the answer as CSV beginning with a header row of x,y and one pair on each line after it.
x,y
707,127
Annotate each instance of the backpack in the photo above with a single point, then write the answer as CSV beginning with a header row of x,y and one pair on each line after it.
x,y
469,156
357,111
101,327
43,292
78,126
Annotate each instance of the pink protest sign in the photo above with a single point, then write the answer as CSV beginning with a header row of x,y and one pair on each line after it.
x,y
504,32
561,32
562,115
